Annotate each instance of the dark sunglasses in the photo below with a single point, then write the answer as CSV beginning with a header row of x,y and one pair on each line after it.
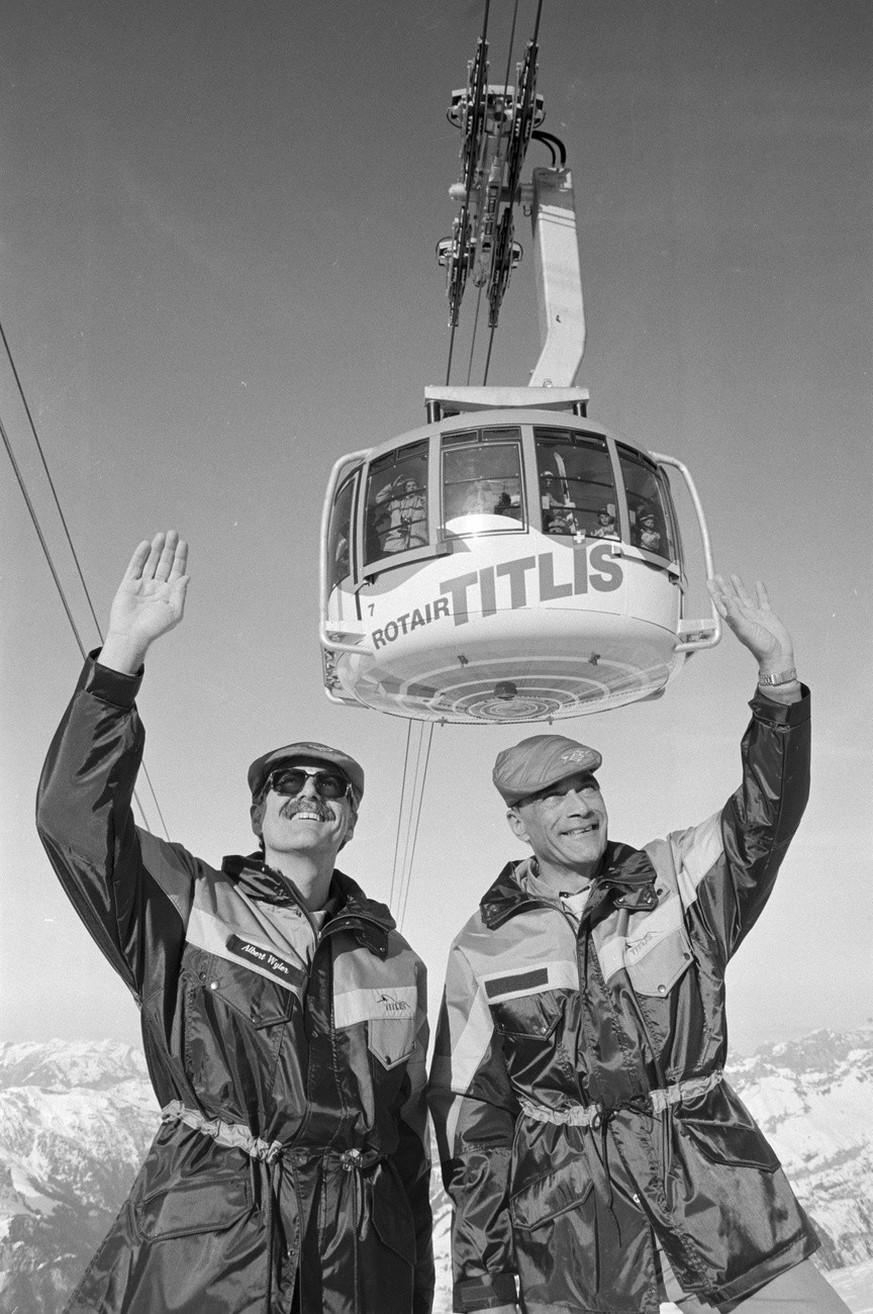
x,y
290,780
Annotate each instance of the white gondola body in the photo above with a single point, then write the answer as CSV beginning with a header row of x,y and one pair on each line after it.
x,y
493,618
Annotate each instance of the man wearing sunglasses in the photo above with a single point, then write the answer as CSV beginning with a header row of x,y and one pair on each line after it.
x,y
283,1018
595,1155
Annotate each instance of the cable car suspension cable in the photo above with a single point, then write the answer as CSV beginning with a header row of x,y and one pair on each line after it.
x,y
43,544
491,231
426,739
45,467
472,128
506,252
473,341
59,586
510,135
509,52
423,733
488,357
395,868
47,553
522,127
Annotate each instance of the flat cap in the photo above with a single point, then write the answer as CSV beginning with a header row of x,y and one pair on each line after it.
x,y
538,762
305,752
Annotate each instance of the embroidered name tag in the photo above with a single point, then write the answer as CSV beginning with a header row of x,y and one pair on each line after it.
x,y
266,960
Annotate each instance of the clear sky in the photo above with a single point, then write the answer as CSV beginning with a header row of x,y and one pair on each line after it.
x,y
217,229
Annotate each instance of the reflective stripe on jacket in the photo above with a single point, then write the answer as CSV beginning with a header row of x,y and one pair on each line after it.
x,y
576,1084
293,1151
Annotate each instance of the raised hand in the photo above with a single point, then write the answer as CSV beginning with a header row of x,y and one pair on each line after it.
x,y
149,602
754,623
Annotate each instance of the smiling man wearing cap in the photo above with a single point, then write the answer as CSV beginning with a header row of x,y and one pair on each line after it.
x,y
596,1158
283,1018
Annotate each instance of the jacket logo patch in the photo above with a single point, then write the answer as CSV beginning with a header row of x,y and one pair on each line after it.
x,y
636,947
522,981
394,1006
389,1004
266,959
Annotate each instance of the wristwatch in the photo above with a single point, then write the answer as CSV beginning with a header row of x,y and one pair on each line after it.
x,y
779,677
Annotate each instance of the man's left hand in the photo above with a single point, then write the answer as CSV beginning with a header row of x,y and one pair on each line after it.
x,y
754,623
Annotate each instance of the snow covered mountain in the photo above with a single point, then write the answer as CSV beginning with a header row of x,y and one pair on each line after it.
x,y
813,1099
76,1119
75,1122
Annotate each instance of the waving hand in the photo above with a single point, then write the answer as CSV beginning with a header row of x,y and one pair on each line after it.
x,y
754,622
149,602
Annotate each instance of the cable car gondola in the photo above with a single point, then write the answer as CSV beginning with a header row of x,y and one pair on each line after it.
x,y
510,560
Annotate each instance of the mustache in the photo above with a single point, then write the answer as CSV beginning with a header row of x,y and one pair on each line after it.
x,y
295,805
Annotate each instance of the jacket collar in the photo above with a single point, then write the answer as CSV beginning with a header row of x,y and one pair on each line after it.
x,y
347,908
626,880
629,876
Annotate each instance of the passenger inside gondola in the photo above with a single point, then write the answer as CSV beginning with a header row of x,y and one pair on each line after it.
x,y
395,509
576,481
556,514
605,527
401,523
645,530
482,478
648,536
648,498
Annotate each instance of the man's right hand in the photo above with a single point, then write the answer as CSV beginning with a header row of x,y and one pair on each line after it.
x,y
150,601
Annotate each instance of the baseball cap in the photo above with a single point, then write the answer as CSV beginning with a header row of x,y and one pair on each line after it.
x,y
262,766
538,762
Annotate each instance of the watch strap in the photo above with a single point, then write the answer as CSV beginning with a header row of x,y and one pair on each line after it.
x,y
778,677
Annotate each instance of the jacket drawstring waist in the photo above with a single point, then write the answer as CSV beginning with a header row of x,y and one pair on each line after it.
x,y
236,1136
593,1115
689,1089
576,1115
597,1116
232,1135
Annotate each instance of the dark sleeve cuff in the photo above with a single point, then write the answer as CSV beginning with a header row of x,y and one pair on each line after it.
x,y
486,1292
109,686
789,714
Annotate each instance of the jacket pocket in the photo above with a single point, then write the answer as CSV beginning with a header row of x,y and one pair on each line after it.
x,y
391,1039
535,1016
557,1192
655,960
211,1203
736,1145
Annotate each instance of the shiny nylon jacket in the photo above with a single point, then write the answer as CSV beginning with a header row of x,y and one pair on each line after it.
x,y
293,1145
576,1086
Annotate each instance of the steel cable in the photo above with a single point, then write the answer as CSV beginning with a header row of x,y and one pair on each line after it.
x,y
48,556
